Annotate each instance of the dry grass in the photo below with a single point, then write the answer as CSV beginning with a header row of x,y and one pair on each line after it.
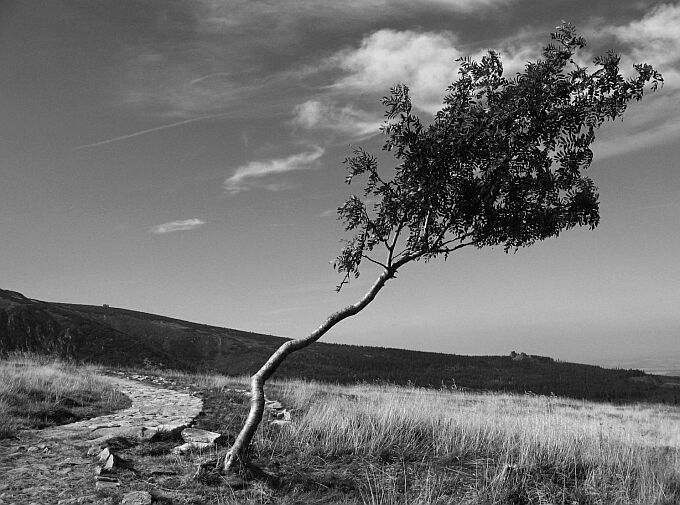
x,y
409,445
380,445
36,392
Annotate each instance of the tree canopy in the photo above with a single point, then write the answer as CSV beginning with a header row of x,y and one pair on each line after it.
x,y
502,164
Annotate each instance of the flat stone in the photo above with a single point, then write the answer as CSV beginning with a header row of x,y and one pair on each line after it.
x,y
95,427
184,448
166,410
137,498
171,427
105,478
105,484
280,422
197,435
139,432
74,462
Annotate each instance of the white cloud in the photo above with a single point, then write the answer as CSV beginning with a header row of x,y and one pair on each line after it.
x,y
654,121
172,226
654,39
424,61
217,15
468,6
322,115
247,176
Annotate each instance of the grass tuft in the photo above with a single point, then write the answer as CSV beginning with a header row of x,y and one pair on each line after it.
x,y
37,391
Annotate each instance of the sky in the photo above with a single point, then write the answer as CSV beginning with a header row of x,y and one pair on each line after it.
x,y
185,158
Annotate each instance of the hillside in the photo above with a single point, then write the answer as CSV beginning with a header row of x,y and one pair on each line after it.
x,y
115,336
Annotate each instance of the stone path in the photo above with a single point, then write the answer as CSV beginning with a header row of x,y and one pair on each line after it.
x,y
51,466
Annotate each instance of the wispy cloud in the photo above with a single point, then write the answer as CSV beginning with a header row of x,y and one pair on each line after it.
x,y
328,213
172,226
629,137
150,130
348,121
425,61
655,39
249,175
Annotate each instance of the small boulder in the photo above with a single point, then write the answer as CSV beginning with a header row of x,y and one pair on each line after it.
x,y
104,455
283,415
197,435
109,464
199,446
138,432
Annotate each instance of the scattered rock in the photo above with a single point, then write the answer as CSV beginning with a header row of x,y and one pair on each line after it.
x,y
103,482
137,498
139,432
52,472
104,455
171,428
203,436
102,426
199,446
74,462
283,415
280,422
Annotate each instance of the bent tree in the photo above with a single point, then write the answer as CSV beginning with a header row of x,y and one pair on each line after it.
x,y
502,164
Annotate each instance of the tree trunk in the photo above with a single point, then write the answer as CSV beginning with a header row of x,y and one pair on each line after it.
x,y
236,453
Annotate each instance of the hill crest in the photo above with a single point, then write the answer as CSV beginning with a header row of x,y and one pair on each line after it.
x,y
123,337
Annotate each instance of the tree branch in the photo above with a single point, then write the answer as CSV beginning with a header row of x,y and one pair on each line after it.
x,y
366,256
398,231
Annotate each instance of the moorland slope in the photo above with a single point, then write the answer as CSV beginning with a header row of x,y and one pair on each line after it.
x,y
115,337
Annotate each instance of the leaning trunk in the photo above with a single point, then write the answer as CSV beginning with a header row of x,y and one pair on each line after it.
x,y
237,451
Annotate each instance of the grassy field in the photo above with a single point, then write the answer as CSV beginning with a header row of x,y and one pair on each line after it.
x,y
36,392
405,445
380,444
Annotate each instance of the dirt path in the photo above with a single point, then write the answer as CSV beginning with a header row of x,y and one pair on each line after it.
x,y
51,466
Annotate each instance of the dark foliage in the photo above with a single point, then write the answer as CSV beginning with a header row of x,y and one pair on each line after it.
x,y
502,164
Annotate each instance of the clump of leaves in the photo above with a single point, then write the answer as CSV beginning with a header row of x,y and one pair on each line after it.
x,y
502,163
